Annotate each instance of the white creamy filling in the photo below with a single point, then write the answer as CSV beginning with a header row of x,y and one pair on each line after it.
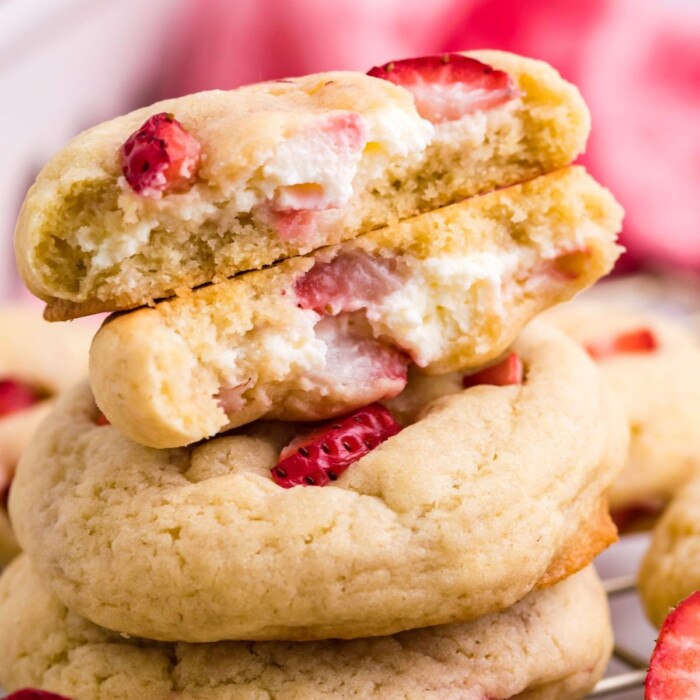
x,y
270,354
434,306
319,158
108,250
399,134
471,129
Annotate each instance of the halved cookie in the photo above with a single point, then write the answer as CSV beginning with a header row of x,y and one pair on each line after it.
x,y
318,336
199,188
37,361
486,493
539,649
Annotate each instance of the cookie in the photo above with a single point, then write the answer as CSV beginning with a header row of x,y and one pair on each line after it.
x,y
652,364
316,337
491,491
670,571
198,188
552,644
37,361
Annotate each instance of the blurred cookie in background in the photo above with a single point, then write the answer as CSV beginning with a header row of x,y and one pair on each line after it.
x,y
37,361
652,362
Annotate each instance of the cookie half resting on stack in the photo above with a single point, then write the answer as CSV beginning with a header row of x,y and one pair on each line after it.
x,y
199,188
332,418
552,644
37,361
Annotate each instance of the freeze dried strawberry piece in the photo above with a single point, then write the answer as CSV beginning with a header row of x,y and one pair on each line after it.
x,y
349,282
16,395
674,667
640,340
102,419
321,456
448,87
507,371
34,694
160,157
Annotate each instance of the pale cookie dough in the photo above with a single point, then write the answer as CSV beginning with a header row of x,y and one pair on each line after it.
x,y
86,242
317,337
459,515
670,571
553,644
50,359
660,391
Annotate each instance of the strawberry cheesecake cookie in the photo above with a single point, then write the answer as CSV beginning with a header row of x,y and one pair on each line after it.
x,y
318,336
37,360
361,526
196,189
671,568
553,644
651,364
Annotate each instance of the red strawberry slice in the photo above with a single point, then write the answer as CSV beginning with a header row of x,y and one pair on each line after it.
x,y
160,157
507,371
635,341
448,87
674,668
321,456
349,282
34,694
16,395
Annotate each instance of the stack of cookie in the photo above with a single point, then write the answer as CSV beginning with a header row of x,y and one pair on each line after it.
x,y
325,423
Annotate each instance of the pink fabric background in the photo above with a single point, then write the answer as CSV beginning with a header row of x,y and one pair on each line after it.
x,y
637,62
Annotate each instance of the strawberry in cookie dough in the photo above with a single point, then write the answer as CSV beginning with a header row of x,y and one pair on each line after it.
x,y
197,189
320,336
37,361
448,87
160,157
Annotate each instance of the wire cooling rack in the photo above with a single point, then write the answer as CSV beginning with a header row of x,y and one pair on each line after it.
x,y
634,636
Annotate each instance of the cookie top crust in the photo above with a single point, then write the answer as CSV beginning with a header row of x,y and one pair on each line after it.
x,y
652,372
283,168
459,515
538,645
